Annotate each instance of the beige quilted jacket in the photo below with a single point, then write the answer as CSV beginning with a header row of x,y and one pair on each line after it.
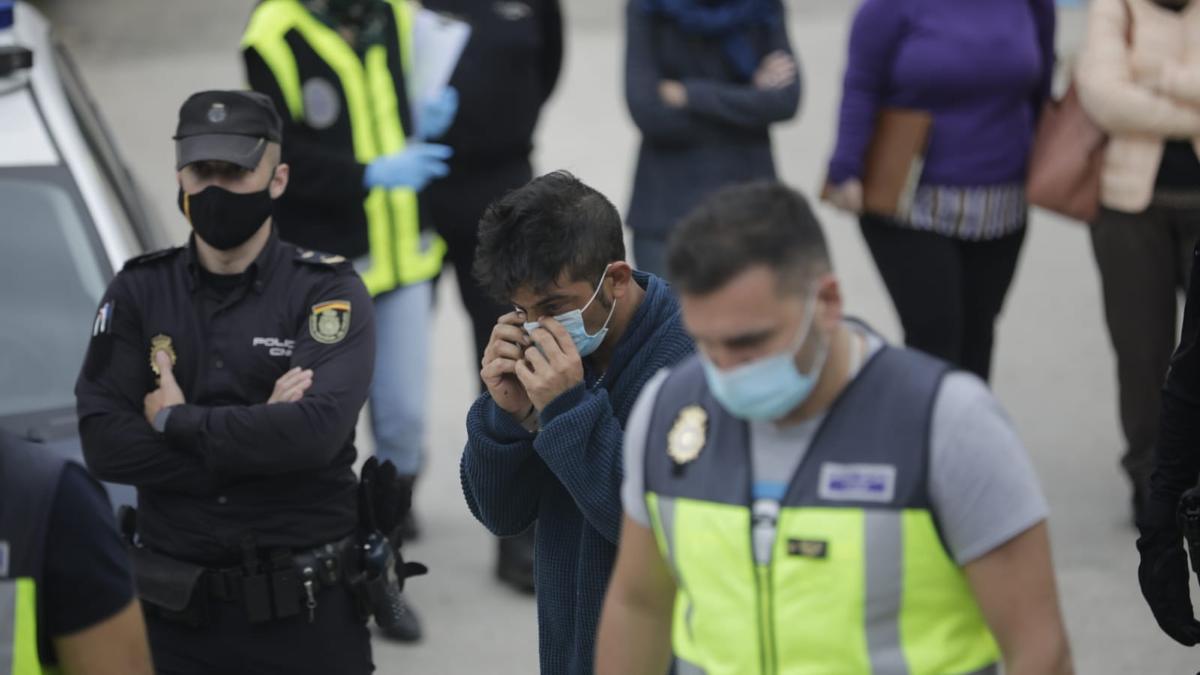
x,y
1142,95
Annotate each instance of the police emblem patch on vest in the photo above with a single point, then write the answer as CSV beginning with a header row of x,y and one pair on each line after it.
x,y
322,104
161,343
329,321
687,438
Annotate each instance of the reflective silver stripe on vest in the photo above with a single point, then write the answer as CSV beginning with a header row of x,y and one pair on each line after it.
x,y
986,670
8,624
884,560
684,668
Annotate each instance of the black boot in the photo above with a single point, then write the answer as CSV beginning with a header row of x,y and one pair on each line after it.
x,y
515,562
408,528
407,629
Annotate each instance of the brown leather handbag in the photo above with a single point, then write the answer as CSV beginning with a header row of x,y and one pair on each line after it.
x,y
1067,159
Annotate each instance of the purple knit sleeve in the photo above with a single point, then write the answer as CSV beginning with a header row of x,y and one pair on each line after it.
x,y
874,37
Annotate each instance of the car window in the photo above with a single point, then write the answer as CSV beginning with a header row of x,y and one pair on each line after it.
x,y
52,276
99,139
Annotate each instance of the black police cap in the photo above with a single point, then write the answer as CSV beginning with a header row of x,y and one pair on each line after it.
x,y
227,126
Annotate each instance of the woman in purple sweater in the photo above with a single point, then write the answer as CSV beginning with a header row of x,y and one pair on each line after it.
x,y
983,69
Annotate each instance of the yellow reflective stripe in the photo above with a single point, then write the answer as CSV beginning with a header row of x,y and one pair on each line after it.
x,y
941,627
22,594
819,603
269,23
404,23
717,577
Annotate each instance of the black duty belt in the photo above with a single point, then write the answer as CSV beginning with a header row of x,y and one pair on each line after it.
x,y
279,585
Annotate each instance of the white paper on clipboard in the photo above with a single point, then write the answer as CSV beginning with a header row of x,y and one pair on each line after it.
x,y
438,44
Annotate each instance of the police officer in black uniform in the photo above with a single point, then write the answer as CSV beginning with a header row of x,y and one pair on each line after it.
x,y
507,73
1163,571
66,594
223,380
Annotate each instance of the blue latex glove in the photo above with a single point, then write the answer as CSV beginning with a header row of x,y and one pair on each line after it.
x,y
413,168
437,115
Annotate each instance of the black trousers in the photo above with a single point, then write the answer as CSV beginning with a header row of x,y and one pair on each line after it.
x,y
336,642
1145,260
948,292
456,203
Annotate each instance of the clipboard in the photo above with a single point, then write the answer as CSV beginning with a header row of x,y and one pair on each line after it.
x,y
438,42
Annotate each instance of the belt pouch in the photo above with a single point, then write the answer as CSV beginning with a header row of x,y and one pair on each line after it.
x,y
168,584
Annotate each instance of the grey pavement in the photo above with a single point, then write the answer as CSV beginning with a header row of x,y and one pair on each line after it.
x,y
1054,369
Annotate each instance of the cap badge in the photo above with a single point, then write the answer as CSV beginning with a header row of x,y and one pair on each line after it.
x,y
217,113
687,438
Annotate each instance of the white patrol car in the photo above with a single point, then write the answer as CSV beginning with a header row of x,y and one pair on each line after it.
x,y
70,215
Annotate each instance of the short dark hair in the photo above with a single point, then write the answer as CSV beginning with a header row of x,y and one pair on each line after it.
x,y
738,227
554,224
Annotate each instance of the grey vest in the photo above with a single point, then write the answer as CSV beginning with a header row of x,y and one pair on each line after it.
x,y
881,422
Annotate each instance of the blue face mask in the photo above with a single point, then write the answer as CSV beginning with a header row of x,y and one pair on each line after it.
x,y
769,388
586,343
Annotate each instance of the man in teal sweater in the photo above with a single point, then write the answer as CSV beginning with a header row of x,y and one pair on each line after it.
x,y
563,371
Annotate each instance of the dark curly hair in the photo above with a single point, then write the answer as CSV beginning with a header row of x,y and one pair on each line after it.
x,y
553,225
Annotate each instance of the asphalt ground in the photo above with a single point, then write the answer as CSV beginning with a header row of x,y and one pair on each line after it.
x,y
1053,368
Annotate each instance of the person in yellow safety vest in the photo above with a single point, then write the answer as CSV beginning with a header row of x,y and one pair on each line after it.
x,y
67,602
337,71
801,497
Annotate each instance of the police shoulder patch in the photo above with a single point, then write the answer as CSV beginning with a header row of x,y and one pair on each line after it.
x,y
310,257
329,321
152,256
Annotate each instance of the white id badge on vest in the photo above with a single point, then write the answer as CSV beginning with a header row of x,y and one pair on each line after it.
x,y
857,482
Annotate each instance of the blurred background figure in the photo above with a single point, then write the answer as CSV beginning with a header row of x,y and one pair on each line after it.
x,y
983,70
704,80
506,74
1138,80
336,71
67,602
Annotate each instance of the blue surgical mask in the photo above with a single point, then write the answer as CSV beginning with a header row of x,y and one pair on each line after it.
x,y
585,343
771,387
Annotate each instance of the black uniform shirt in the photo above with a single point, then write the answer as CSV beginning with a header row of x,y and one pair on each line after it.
x,y
228,464
508,70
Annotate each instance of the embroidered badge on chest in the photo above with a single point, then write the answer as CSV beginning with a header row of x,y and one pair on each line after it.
x,y
330,321
687,438
857,482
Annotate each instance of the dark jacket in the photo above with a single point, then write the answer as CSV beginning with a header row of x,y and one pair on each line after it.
x,y
722,136
229,464
508,70
567,478
1177,456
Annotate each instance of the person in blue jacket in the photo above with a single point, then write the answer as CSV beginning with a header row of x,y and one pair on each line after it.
x,y
562,370
705,80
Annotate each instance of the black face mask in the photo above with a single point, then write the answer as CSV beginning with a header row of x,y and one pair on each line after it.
x,y
224,219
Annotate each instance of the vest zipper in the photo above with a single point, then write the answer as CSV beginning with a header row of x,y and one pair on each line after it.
x,y
766,622
764,529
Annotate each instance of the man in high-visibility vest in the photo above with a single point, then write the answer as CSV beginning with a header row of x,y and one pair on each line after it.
x,y
802,497
337,71
67,603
